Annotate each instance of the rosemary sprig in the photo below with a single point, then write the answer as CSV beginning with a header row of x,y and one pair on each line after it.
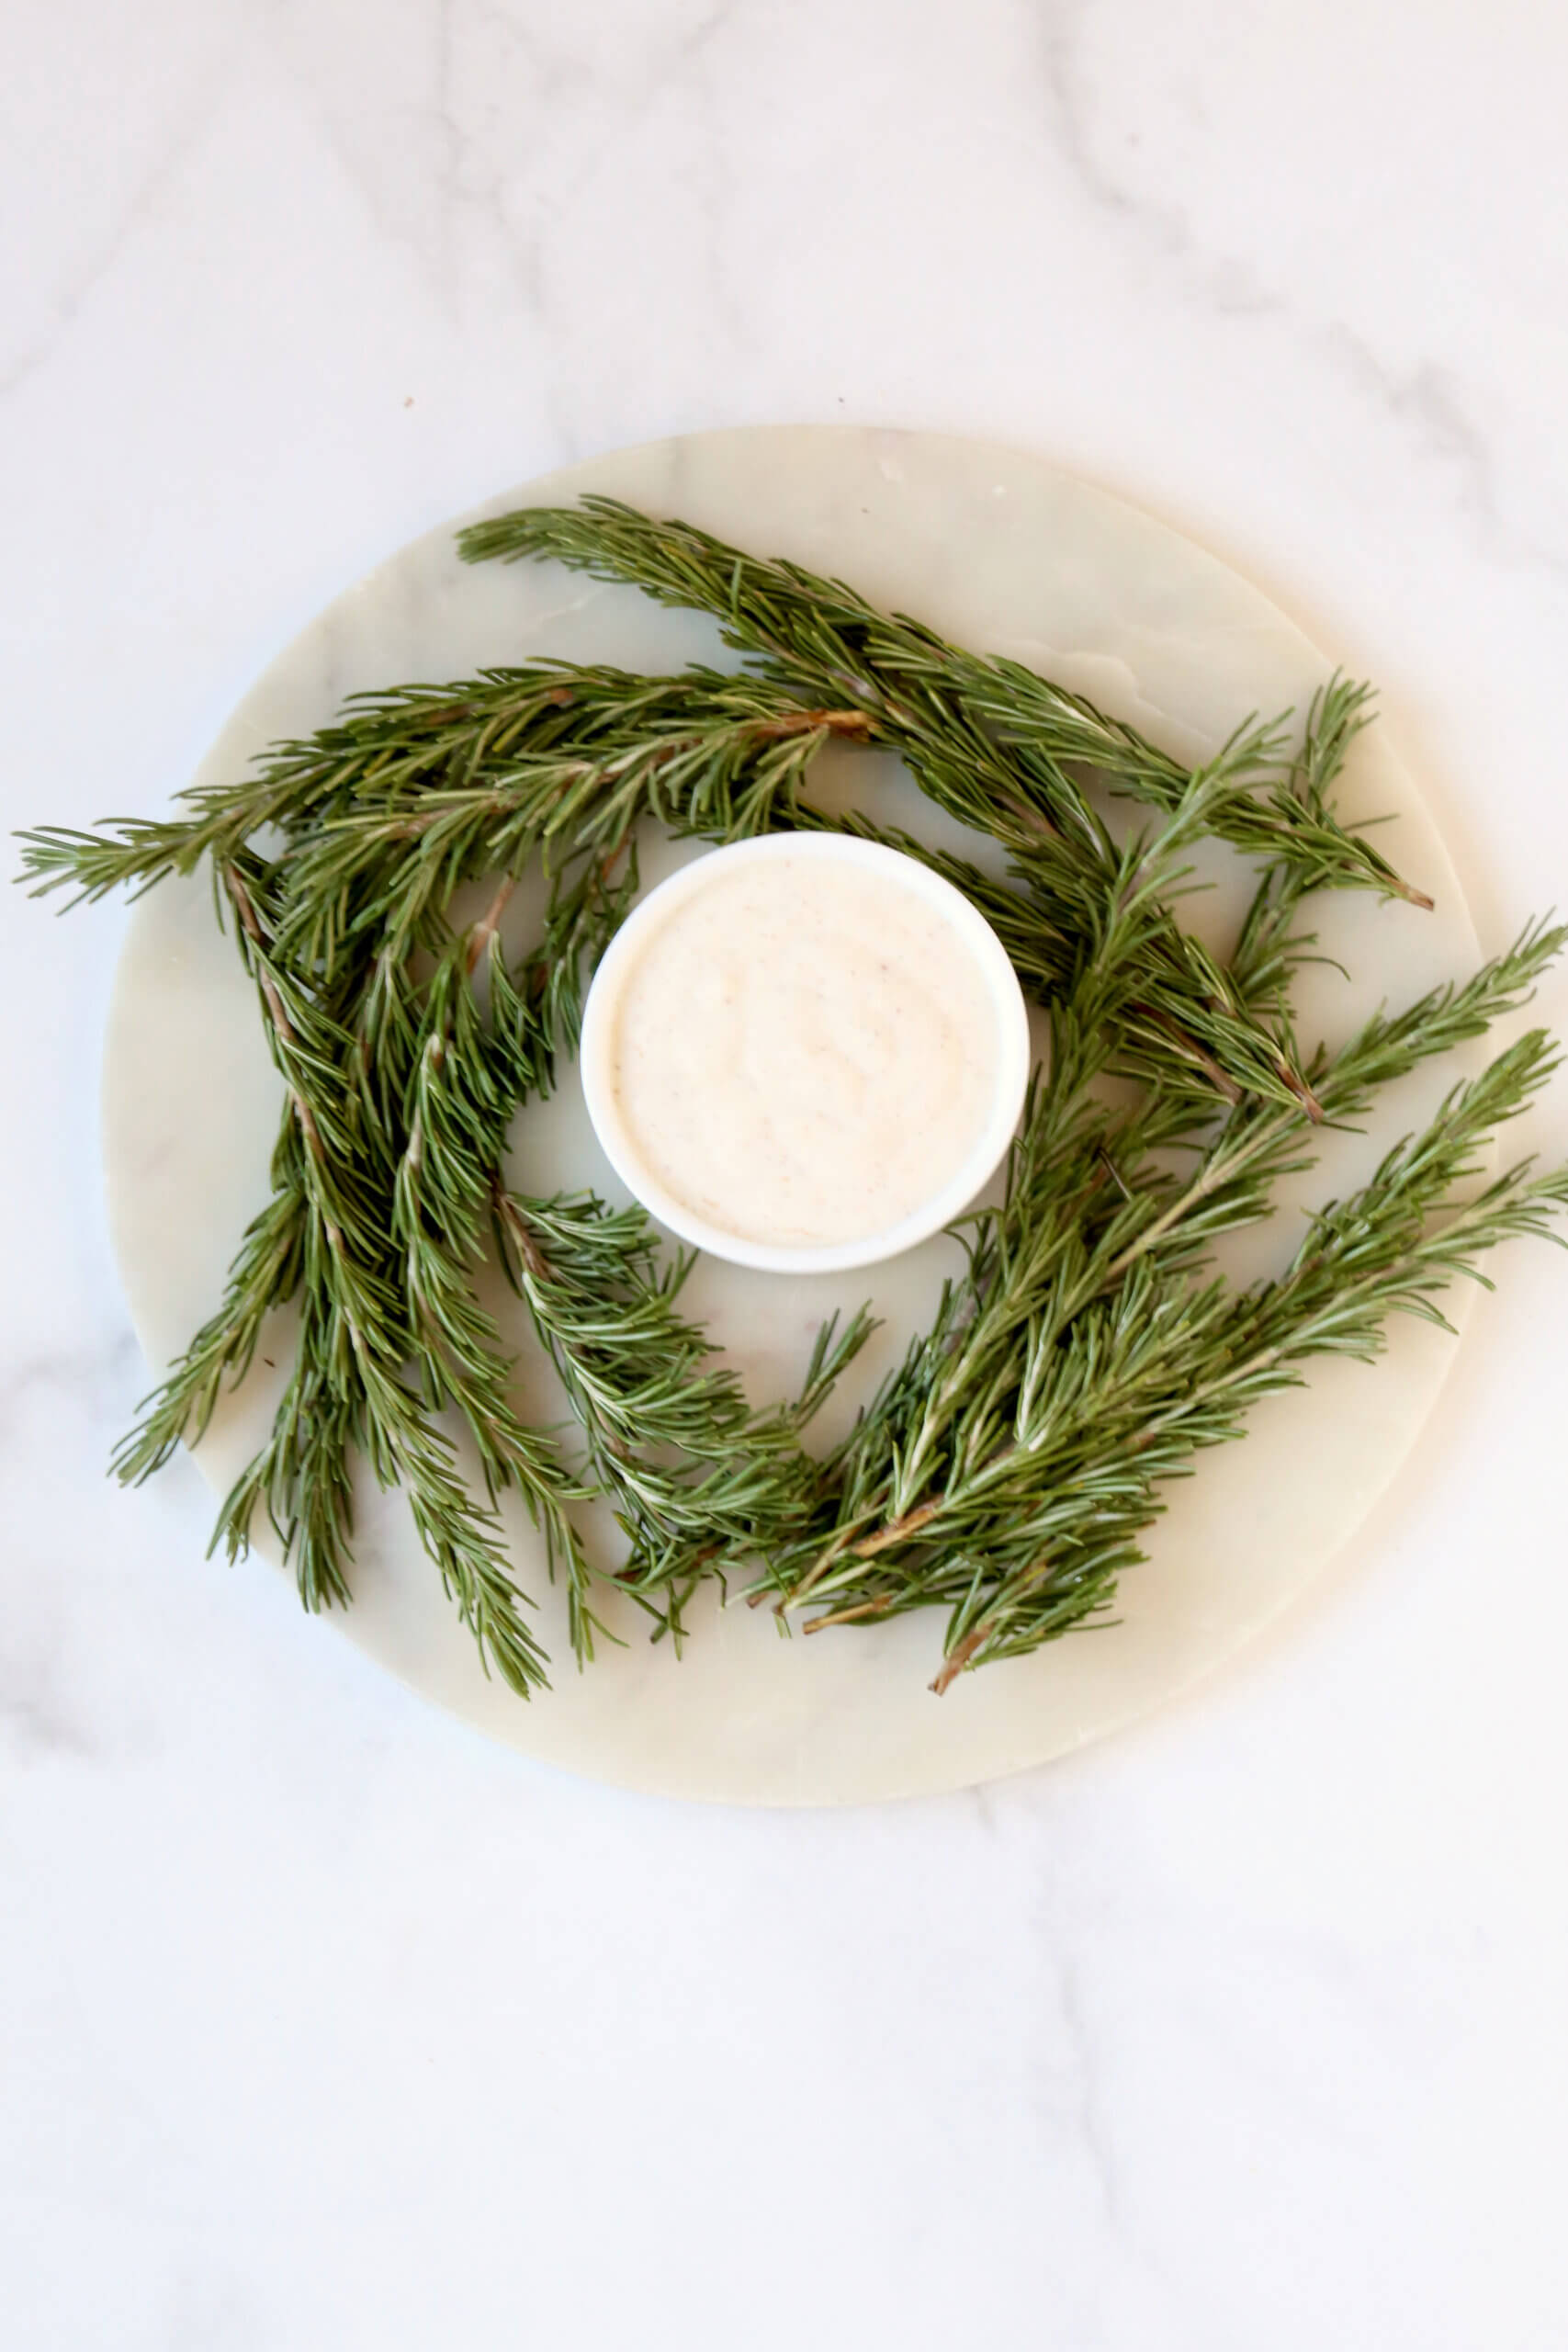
x,y
1076,1321
937,706
544,752
698,1480
356,1337
400,1096
1179,1388
801,630
695,1476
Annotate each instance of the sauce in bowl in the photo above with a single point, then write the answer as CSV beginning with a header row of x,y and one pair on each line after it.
x,y
804,1051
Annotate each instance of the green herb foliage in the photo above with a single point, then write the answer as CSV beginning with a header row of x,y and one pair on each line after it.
x,y
1007,1472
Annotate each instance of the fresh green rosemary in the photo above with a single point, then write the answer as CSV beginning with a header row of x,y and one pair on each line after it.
x,y
1006,1472
917,692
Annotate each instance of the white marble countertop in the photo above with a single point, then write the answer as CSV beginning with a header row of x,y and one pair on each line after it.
x,y
322,2023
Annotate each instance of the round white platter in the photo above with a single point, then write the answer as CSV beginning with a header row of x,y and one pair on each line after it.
x,y
1005,552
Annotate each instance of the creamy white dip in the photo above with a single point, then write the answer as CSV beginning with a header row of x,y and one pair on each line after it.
x,y
804,1051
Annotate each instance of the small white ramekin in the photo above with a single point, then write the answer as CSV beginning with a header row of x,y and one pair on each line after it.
x,y
1015,1055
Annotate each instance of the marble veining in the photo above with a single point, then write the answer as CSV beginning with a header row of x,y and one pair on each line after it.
x,y
323,2022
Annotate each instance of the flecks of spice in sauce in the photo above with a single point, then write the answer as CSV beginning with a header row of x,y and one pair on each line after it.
x,y
805,1055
